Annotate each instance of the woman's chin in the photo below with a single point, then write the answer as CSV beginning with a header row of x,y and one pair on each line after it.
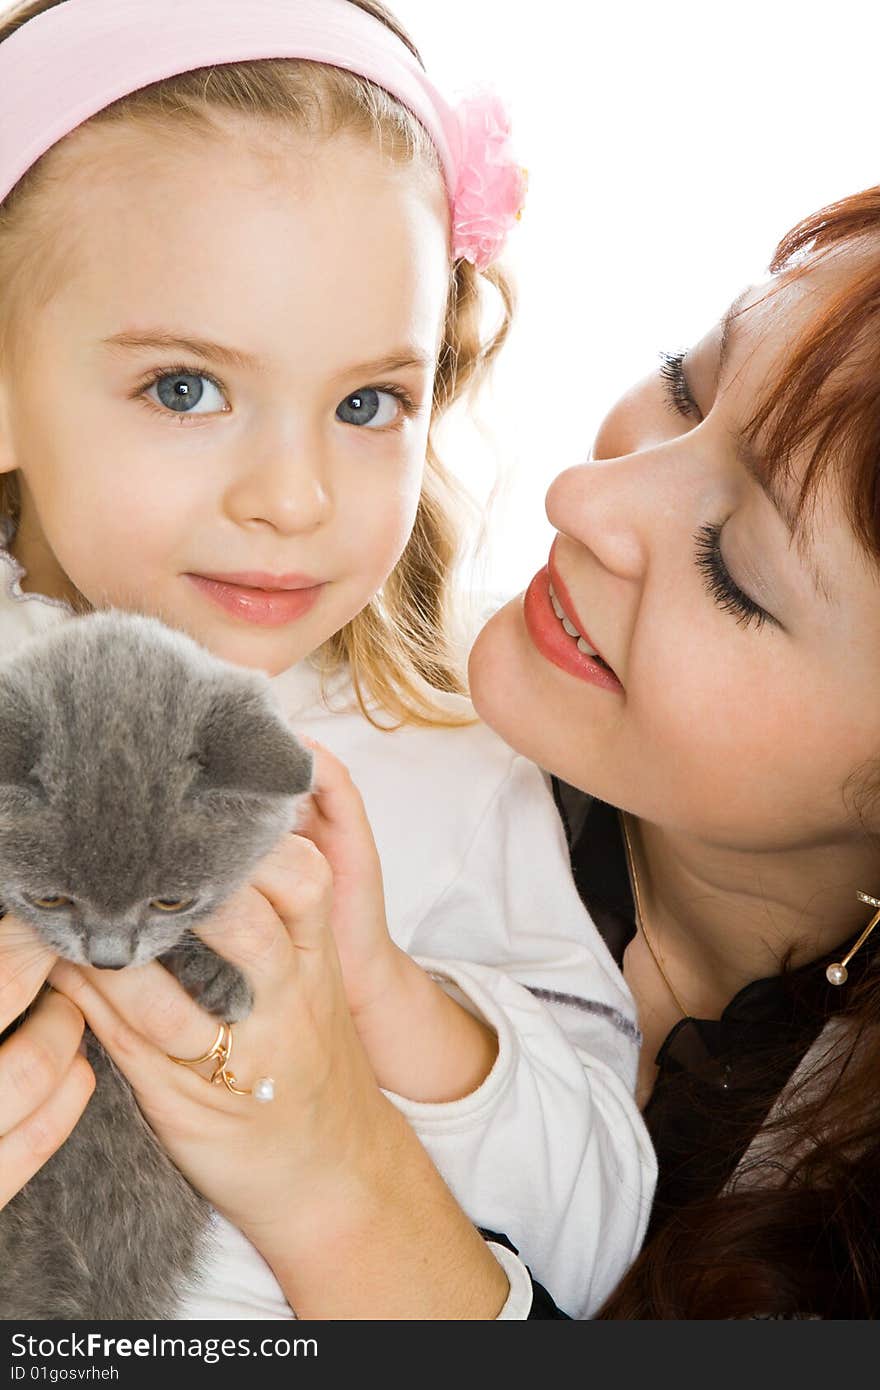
x,y
494,665
505,685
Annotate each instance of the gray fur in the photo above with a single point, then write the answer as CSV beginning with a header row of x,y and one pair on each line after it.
x,y
134,766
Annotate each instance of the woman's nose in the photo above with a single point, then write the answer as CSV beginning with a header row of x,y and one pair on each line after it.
x,y
602,505
628,507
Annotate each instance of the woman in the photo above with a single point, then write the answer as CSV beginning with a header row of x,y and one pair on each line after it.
x,y
701,657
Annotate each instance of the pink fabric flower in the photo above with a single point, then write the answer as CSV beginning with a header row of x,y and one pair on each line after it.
x,y
491,187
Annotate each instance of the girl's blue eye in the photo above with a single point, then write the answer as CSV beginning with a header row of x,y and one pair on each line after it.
x,y
369,407
182,392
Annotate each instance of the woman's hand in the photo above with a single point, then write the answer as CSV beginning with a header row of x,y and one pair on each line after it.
x,y
45,1082
247,1157
327,1180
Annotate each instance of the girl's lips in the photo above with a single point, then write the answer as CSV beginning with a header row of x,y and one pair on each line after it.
x,y
263,607
553,642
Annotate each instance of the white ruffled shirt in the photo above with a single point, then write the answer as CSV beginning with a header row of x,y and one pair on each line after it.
x,y
551,1148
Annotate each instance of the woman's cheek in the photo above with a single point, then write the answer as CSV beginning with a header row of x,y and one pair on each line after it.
x,y
734,757
640,419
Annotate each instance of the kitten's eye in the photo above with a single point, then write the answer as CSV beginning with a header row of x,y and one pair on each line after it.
x,y
56,900
171,904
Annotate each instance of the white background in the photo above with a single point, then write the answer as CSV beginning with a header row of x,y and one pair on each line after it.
x,y
670,146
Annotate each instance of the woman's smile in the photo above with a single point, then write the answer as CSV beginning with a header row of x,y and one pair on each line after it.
x,y
559,639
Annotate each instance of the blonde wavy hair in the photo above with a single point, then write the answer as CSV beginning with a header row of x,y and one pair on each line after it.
x,y
403,647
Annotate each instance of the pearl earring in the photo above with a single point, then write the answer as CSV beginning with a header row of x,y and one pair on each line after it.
x,y
837,973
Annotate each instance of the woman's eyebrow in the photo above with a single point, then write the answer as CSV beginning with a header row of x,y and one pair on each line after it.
x,y
756,466
757,469
159,340
727,324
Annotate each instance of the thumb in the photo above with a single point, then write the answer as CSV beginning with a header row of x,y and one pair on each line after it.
x,y
339,826
297,882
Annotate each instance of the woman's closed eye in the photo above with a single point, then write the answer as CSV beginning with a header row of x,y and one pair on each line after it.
x,y
678,393
721,584
709,560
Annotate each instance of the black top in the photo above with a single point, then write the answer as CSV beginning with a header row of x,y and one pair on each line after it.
x,y
717,1078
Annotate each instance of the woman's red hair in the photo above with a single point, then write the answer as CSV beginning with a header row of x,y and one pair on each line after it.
x,y
800,1236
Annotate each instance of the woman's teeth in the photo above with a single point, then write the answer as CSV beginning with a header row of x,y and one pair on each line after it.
x,y
572,631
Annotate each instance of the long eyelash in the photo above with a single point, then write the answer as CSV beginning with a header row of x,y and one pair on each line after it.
x,y
175,369
392,388
723,588
678,393
408,407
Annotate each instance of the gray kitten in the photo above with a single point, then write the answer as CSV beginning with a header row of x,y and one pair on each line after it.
x,y
141,780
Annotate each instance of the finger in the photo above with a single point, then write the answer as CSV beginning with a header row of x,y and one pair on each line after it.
x,y
288,901
159,1083
25,1149
297,883
338,823
333,790
137,1011
247,932
25,961
35,1058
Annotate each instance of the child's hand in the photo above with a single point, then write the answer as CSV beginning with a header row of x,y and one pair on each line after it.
x,y
421,1043
45,1083
336,822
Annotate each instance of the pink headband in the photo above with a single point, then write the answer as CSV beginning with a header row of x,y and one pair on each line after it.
x,y
69,62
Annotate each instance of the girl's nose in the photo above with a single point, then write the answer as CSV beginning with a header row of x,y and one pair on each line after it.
x,y
284,487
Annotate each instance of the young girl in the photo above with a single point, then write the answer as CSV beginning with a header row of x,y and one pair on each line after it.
x,y
240,259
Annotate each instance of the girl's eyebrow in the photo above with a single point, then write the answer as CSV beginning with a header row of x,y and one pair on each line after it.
x,y
158,340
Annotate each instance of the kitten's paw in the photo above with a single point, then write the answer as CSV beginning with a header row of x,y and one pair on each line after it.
x,y
213,982
227,994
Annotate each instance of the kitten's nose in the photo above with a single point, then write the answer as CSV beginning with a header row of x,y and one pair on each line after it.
x,y
109,955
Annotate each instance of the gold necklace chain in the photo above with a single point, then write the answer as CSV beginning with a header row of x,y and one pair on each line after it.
x,y
640,916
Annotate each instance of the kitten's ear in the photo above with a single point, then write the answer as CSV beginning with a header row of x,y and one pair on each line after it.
x,y
20,736
20,743
244,746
